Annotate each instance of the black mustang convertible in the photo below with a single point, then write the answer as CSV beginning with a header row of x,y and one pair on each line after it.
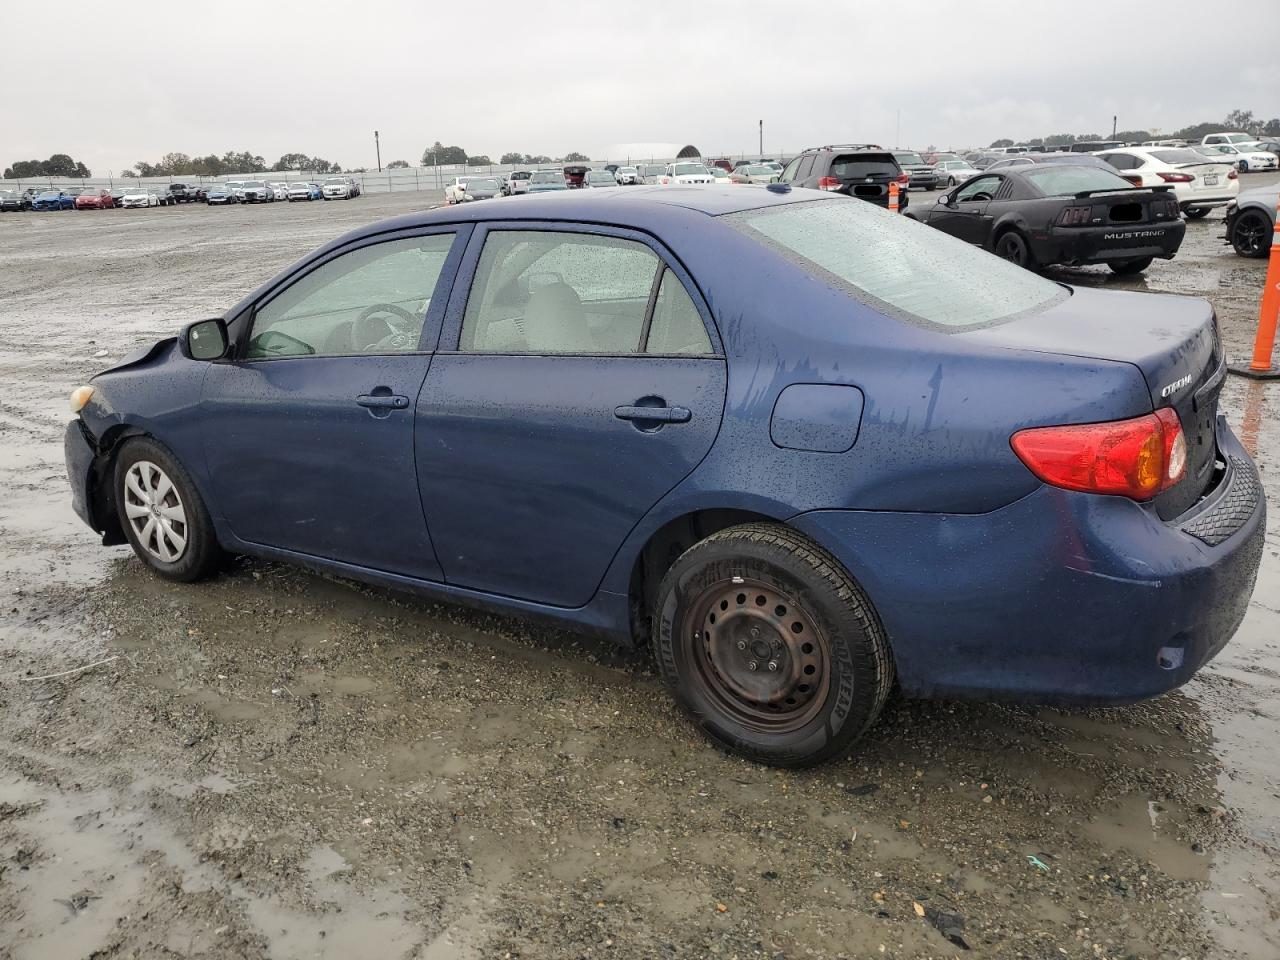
x,y
1060,213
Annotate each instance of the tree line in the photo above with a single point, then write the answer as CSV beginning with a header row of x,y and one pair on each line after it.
x,y
1242,121
438,155
59,165
179,164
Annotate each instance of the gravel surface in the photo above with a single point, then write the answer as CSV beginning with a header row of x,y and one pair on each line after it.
x,y
282,764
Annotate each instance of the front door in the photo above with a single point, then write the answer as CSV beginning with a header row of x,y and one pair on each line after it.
x,y
967,217
586,383
313,451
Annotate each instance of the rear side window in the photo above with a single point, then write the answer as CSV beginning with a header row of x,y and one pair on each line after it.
x,y
897,265
859,166
676,326
549,292
805,168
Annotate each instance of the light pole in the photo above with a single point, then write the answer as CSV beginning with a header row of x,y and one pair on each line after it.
x,y
761,138
378,149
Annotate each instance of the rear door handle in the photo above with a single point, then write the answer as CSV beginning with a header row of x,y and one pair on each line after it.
x,y
384,401
656,414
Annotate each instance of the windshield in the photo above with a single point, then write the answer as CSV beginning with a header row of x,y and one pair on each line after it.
x,y
483,184
907,159
253,184
600,176
1178,156
897,264
1062,181
626,169
687,169
340,180
7,193
760,171
546,176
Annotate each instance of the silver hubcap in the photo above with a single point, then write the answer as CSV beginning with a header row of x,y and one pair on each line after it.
x,y
155,511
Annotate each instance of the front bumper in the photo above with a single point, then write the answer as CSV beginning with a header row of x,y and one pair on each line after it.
x,y
1060,597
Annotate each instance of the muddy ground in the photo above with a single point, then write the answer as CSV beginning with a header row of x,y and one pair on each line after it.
x,y
279,764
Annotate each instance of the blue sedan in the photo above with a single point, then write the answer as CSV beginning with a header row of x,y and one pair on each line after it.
x,y
803,448
54,200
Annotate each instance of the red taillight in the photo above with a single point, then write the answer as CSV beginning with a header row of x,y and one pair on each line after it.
x,y
1074,216
1232,174
1134,178
1176,177
904,178
829,183
1135,458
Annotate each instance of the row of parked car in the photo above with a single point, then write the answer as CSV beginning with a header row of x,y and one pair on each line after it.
x,y
576,176
171,194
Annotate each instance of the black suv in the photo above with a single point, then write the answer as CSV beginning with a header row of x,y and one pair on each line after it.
x,y
861,170
181,193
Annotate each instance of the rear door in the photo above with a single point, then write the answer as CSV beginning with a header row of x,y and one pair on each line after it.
x,y
579,379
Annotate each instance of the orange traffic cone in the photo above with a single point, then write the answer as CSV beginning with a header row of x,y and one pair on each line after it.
x,y
893,198
1261,366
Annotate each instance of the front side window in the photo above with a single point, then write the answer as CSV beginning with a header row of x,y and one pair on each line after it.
x,y
979,188
551,292
789,171
896,265
372,300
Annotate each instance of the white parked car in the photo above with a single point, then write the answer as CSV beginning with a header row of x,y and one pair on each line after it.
x,y
599,178
517,182
1199,182
650,172
280,189
685,173
1247,157
456,192
949,173
298,191
626,175
1212,138
236,187
140,197
336,188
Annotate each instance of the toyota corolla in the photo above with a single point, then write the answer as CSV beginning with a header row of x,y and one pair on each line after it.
x,y
803,448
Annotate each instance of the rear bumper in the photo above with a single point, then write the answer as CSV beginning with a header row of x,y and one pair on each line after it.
x,y
1060,597
1076,245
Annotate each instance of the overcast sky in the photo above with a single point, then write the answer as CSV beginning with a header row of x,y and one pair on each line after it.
x,y
131,83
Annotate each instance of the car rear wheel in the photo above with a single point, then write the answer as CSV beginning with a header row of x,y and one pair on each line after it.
x,y
770,646
1013,247
1126,268
1195,213
162,514
1251,234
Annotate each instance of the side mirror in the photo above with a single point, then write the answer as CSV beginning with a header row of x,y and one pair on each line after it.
x,y
204,340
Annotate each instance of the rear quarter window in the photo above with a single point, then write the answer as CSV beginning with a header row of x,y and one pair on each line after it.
x,y
901,267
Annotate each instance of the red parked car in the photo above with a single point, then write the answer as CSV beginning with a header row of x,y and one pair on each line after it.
x,y
94,199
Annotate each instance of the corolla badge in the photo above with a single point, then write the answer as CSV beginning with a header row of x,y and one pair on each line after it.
x,y
1172,388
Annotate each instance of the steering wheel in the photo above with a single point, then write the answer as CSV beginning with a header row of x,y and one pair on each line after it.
x,y
979,196
373,330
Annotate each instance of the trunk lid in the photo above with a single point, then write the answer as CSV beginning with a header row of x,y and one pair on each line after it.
x,y
1173,341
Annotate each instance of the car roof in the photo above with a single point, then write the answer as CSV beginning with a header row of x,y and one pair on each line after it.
x,y
639,207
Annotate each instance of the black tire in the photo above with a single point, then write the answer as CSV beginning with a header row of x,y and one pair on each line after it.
x,y
1013,246
1196,213
201,555
1127,268
774,591
1251,234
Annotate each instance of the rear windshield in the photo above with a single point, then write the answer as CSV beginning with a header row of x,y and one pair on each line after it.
x,y
1054,181
896,264
546,176
910,158
856,167
483,184
520,175
1178,156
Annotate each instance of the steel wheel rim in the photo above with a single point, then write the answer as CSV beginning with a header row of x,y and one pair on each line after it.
x,y
155,512
735,623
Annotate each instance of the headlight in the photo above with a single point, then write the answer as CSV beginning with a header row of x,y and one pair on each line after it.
x,y
79,397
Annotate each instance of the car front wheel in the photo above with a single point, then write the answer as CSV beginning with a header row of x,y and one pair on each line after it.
x,y
770,646
162,513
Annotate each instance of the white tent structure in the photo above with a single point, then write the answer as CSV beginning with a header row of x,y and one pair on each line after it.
x,y
650,152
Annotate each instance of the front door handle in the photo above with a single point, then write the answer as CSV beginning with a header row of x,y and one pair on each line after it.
x,y
655,414
383,401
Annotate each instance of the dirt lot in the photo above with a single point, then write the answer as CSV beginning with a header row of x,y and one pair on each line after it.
x,y
278,764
